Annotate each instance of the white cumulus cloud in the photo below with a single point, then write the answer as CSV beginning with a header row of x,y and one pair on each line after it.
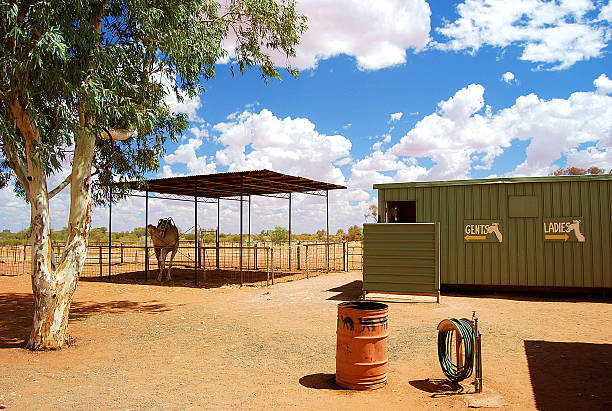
x,y
460,138
508,78
186,154
395,116
603,84
376,33
262,140
553,34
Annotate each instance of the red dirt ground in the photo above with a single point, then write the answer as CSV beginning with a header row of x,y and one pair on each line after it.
x,y
142,346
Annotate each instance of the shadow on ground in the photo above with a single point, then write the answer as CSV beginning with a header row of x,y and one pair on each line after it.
x,y
438,388
585,296
186,277
17,311
570,376
347,292
320,381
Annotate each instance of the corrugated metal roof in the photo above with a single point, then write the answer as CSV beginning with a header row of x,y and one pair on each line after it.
x,y
231,184
511,180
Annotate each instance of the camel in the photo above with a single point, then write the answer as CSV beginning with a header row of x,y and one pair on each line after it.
x,y
494,228
575,227
165,239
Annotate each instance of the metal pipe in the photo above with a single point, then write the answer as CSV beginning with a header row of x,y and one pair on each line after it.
x,y
218,239
240,253
327,216
249,240
195,228
477,354
110,214
289,231
146,259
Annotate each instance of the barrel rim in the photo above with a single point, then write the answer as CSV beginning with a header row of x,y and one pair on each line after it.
x,y
364,305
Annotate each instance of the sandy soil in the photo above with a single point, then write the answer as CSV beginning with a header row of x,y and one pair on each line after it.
x,y
142,346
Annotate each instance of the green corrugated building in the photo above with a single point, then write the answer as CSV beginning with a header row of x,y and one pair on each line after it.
x,y
509,233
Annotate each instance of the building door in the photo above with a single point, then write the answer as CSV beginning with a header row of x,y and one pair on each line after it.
x,y
401,212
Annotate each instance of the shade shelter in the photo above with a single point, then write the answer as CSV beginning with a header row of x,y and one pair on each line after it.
x,y
235,186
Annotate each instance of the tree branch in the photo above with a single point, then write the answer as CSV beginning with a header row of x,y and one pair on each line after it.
x,y
17,167
117,134
60,187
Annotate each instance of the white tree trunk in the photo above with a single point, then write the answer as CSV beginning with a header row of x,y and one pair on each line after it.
x,y
53,289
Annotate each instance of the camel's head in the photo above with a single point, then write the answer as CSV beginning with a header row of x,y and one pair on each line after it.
x,y
151,229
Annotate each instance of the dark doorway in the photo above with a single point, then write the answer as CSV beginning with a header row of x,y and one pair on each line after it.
x,y
401,211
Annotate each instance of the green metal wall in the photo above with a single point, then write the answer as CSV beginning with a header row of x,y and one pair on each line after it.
x,y
524,258
401,258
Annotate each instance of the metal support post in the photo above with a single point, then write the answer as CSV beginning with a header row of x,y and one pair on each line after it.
x,y
327,231
218,234
249,238
289,231
477,355
240,254
197,244
146,259
110,213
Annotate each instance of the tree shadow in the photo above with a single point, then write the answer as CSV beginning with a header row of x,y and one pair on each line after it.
x,y
17,311
320,381
348,292
572,376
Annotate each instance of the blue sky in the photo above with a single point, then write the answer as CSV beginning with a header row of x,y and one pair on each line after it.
x,y
392,91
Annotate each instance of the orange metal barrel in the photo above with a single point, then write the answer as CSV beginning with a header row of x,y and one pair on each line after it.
x,y
361,349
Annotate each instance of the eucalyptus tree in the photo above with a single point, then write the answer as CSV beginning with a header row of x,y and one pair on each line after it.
x,y
83,85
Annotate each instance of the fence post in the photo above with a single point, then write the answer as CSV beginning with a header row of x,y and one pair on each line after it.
x,y
100,258
299,247
307,265
267,268
203,262
255,256
272,261
24,258
122,252
200,254
344,256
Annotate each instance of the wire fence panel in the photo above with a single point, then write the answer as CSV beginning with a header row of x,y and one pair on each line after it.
x,y
258,263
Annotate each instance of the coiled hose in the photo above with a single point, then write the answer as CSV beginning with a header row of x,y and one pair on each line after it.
x,y
446,341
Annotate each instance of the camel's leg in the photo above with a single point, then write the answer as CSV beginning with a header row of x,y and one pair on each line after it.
x,y
162,263
170,263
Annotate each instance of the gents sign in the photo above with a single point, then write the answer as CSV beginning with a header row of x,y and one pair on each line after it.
x,y
564,229
482,231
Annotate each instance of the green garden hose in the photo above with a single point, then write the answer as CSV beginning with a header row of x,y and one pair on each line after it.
x,y
446,342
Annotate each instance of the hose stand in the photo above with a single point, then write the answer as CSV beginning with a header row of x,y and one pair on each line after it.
x,y
477,354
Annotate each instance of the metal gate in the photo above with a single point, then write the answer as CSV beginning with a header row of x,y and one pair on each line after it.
x,y
401,258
